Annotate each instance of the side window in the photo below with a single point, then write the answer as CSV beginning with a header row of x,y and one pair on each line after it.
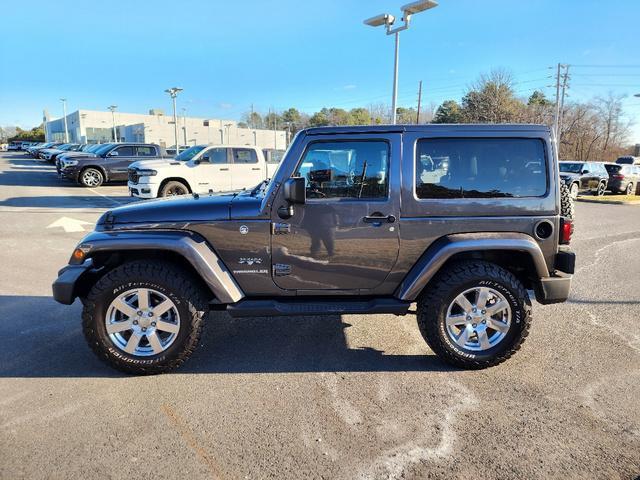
x,y
346,169
480,168
244,155
216,156
125,151
146,151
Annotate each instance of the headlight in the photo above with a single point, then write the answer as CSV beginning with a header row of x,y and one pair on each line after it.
x,y
69,163
147,173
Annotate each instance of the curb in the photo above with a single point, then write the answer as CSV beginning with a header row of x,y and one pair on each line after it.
x,y
609,202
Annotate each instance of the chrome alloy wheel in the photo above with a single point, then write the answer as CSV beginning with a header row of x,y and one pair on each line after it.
x,y
142,322
91,178
478,319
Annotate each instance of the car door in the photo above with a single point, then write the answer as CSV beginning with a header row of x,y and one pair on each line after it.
x,y
345,237
118,161
246,170
211,171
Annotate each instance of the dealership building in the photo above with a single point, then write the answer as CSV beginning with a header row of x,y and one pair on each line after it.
x,y
90,126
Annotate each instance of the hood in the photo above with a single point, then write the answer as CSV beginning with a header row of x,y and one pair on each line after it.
x,y
75,154
159,162
183,210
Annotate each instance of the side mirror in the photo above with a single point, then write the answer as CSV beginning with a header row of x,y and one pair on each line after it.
x,y
295,191
196,162
113,153
585,172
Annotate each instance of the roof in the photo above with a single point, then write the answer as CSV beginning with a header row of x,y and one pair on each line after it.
x,y
431,127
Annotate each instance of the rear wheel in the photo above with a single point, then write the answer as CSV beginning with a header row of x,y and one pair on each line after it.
x,y
91,177
475,314
144,317
574,190
173,188
629,190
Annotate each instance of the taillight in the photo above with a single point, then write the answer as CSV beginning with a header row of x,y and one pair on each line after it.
x,y
617,176
566,229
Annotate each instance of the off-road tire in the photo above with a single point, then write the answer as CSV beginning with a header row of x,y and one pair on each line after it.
x,y
566,202
96,172
456,278
172,281
172,186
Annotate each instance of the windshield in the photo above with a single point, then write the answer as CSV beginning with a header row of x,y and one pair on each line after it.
x,y
189,153
571,167
612,168
103,149
65,147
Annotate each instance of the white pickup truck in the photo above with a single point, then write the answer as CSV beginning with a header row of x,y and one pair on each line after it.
x,y
203,168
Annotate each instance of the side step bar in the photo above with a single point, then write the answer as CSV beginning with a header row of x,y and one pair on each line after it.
x,y
315,306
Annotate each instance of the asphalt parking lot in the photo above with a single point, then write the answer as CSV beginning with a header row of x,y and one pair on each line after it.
x,y
327,397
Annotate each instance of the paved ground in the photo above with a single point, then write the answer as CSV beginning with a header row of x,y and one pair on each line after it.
x,y
332,397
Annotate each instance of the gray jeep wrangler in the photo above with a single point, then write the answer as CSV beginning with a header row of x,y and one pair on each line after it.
x,y
463,220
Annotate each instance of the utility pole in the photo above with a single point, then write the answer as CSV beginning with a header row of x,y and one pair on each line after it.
x,y
419,100
251,122
173,93
64,113
113,121
561,107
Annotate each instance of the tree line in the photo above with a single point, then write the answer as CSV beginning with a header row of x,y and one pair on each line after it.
x,y
591,130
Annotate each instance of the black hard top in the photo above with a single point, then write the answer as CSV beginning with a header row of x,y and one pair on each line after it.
x,y
442,127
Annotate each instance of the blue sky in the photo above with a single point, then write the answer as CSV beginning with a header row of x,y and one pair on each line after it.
x,y
228,55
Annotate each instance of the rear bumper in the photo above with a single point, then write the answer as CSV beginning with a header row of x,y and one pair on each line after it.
x,y
65,287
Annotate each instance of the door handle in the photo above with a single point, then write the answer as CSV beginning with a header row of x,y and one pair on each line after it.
x,y
256,168
379,218
224,169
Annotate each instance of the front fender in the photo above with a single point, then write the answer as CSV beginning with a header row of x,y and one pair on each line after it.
x,y
443,249
188,245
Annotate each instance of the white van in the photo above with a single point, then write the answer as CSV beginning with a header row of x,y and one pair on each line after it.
x,y
201,169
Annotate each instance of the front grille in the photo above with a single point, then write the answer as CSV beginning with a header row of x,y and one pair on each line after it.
x,y
133,176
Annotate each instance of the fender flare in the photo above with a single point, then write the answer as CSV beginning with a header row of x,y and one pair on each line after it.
x,y
192,247
444,248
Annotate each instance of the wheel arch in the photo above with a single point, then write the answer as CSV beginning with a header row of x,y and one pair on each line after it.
x,y
516,252
189,251
175,179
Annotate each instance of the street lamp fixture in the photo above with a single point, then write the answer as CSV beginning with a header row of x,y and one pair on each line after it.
x,y
388,20
113,121
173,93
64,114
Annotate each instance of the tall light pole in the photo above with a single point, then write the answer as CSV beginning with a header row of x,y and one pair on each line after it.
x,y
113,121
184,124
64,113
226,126
173,93
388,20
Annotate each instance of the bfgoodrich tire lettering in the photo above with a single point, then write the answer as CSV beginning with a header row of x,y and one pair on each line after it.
x,y
165,278
449,284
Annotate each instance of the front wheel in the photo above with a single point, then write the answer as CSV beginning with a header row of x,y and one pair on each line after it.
x,y
144,317
91,177
574,190
601,189
474,314
173,188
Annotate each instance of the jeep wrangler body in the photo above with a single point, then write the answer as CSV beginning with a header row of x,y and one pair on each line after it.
x,y
463,220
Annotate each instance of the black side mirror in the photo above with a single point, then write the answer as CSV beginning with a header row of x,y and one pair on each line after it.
x,y
196,162
295,191
585,172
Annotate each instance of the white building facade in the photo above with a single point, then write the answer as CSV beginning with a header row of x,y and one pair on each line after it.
x,y
90,126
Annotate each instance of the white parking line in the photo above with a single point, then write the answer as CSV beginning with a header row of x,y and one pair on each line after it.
x,y
115,202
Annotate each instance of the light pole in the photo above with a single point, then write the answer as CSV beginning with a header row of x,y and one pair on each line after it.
x,y
388,20
173,93
184,124
226,126
64,113
113,121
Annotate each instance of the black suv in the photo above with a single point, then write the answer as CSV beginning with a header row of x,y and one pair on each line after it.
x,y
463,220
109,163
623,178
582,177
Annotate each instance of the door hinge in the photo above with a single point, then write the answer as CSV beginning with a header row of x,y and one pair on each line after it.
x,y
281,269
280,228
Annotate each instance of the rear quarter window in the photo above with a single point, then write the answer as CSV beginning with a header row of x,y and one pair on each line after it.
x,y
480,168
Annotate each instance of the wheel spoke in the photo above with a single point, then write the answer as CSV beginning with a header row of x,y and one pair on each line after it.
x,y
163,308
483,339
496,307
498,325
125,308
167,326
119,326
483,296
133,342
143,298
154,342
464,303
463,337
455,320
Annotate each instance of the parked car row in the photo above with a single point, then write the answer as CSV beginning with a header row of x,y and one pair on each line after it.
x,y
599,177
151,172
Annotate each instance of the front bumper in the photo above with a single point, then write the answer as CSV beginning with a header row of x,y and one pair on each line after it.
x,y
70,172
143,190
66,288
